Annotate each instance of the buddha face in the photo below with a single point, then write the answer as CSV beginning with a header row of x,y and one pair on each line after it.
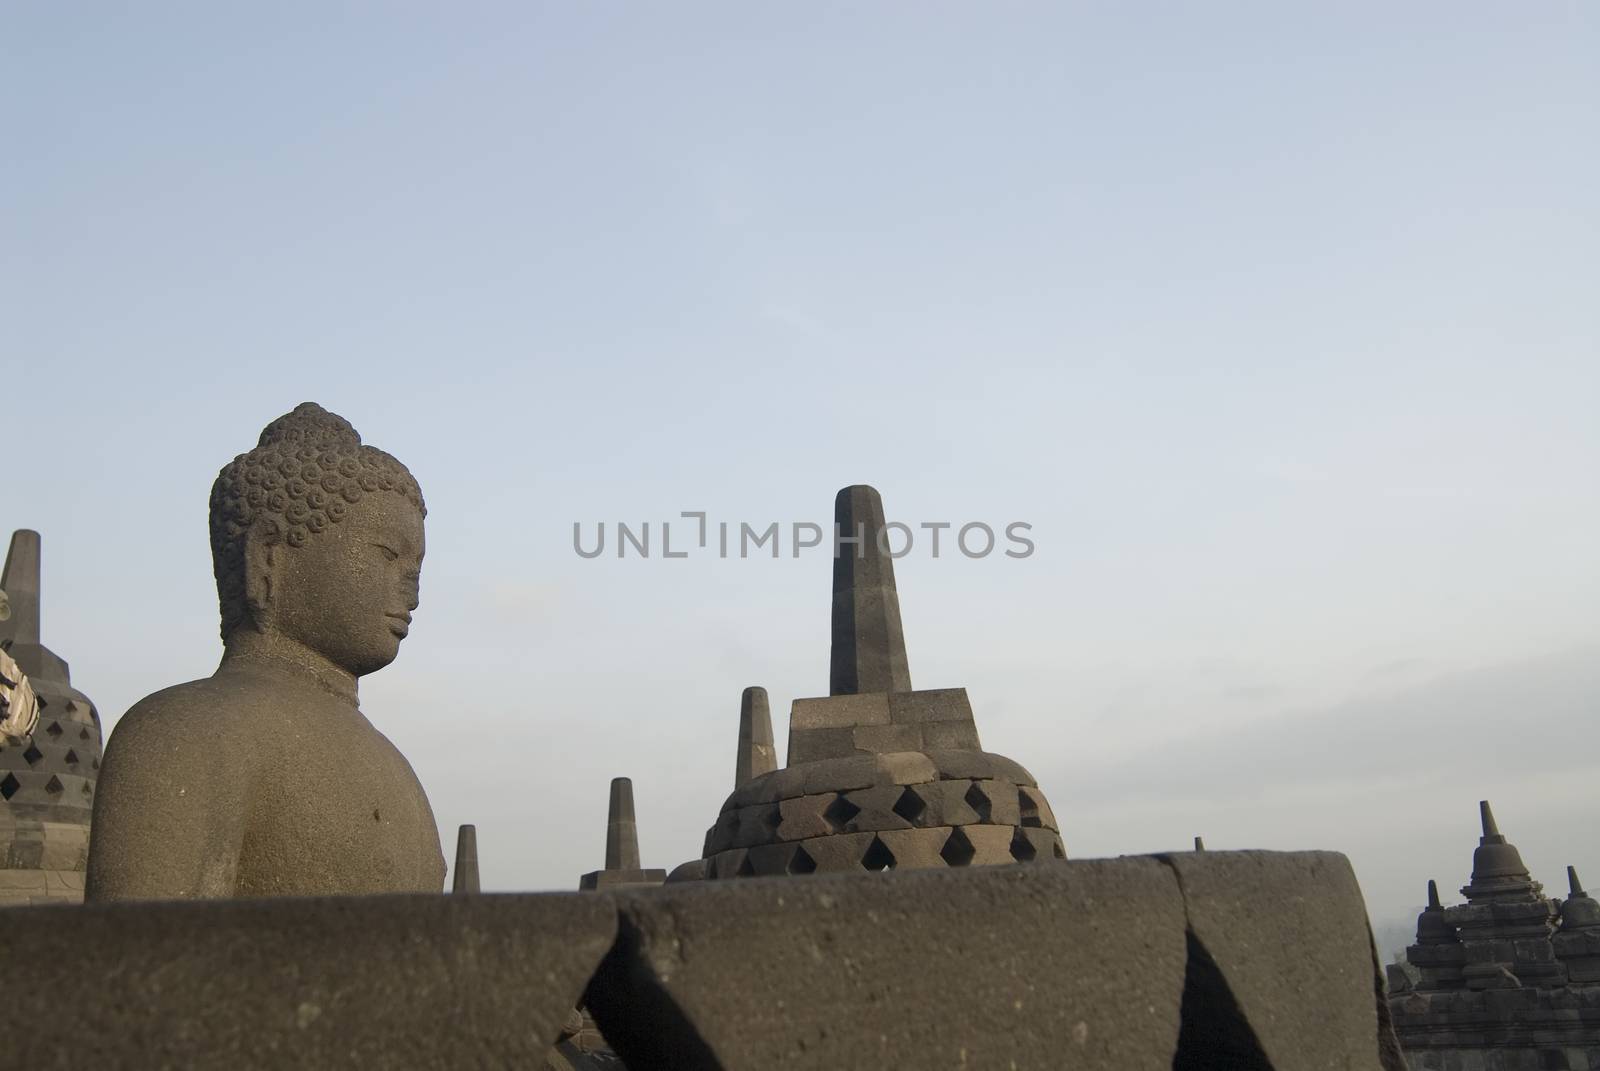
x,y
348,592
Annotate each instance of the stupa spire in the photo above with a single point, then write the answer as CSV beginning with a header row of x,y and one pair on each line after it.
x,y
622,845
869,644
622,831
757,754
465,873
20,582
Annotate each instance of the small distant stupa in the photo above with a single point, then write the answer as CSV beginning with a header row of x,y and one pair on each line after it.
x,y
1508,979
46,779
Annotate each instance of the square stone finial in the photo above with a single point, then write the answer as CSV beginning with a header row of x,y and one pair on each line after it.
x,y
20,582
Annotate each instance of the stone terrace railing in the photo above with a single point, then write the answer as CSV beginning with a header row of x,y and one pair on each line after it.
x,y
1238,960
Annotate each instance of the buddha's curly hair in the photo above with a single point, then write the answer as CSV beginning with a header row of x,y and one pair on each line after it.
x,y
308,469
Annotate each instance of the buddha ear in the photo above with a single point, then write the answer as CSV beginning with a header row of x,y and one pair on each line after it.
x,y
260,569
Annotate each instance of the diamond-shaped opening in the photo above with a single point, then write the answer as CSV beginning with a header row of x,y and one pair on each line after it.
x,y
72,757
839,813
1022,849
9,786
801,862
746,869
957,850
910,805
33,754
878,856
55,728
72,706
1029,808
83,734
54,785
94,764
773,817
87,789
979,801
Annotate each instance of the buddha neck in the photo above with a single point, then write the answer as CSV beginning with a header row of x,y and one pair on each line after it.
x,y
274,653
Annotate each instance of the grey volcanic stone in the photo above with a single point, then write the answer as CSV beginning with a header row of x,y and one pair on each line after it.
x,y
622,829
383,982
1075,965
622,845
869,644
20,581
265,779
464,875
1283,937
757,753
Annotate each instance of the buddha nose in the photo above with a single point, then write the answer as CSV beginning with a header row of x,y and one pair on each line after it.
x,y
413,584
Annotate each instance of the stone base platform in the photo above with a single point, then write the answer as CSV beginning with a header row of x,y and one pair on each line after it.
x,y
1526,1029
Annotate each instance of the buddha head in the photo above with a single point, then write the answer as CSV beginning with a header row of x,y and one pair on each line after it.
x,y
318,538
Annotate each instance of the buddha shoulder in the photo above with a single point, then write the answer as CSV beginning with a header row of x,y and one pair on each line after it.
x,y
200,718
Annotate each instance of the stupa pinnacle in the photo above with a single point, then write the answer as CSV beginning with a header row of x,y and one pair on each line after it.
x,y
622,845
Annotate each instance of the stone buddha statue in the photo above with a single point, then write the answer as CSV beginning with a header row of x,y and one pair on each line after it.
x,y
265,778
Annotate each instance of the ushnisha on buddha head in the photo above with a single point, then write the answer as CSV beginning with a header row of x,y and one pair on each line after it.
x,y
317,543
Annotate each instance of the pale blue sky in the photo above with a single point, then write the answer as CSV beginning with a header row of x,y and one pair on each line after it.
x,y
1278,323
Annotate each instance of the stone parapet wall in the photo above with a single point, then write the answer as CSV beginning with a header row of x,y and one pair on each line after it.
x,y
1246,960
1553,1029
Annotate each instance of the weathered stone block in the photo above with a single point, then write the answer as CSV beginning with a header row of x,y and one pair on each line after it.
x,y
27,881
946,803
927,969
721,835
1287,935
907,768
839,712
814,745
1035,809
771,859
887,739
997,801
875,809
801,817
840,775
381,981
991,845
840,853
757,825
611,879
731,864
938,735
930,705
1043,843
959,765
916,849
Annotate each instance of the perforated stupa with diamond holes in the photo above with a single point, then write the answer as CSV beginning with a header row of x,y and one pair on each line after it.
x,y
879,776
47,780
